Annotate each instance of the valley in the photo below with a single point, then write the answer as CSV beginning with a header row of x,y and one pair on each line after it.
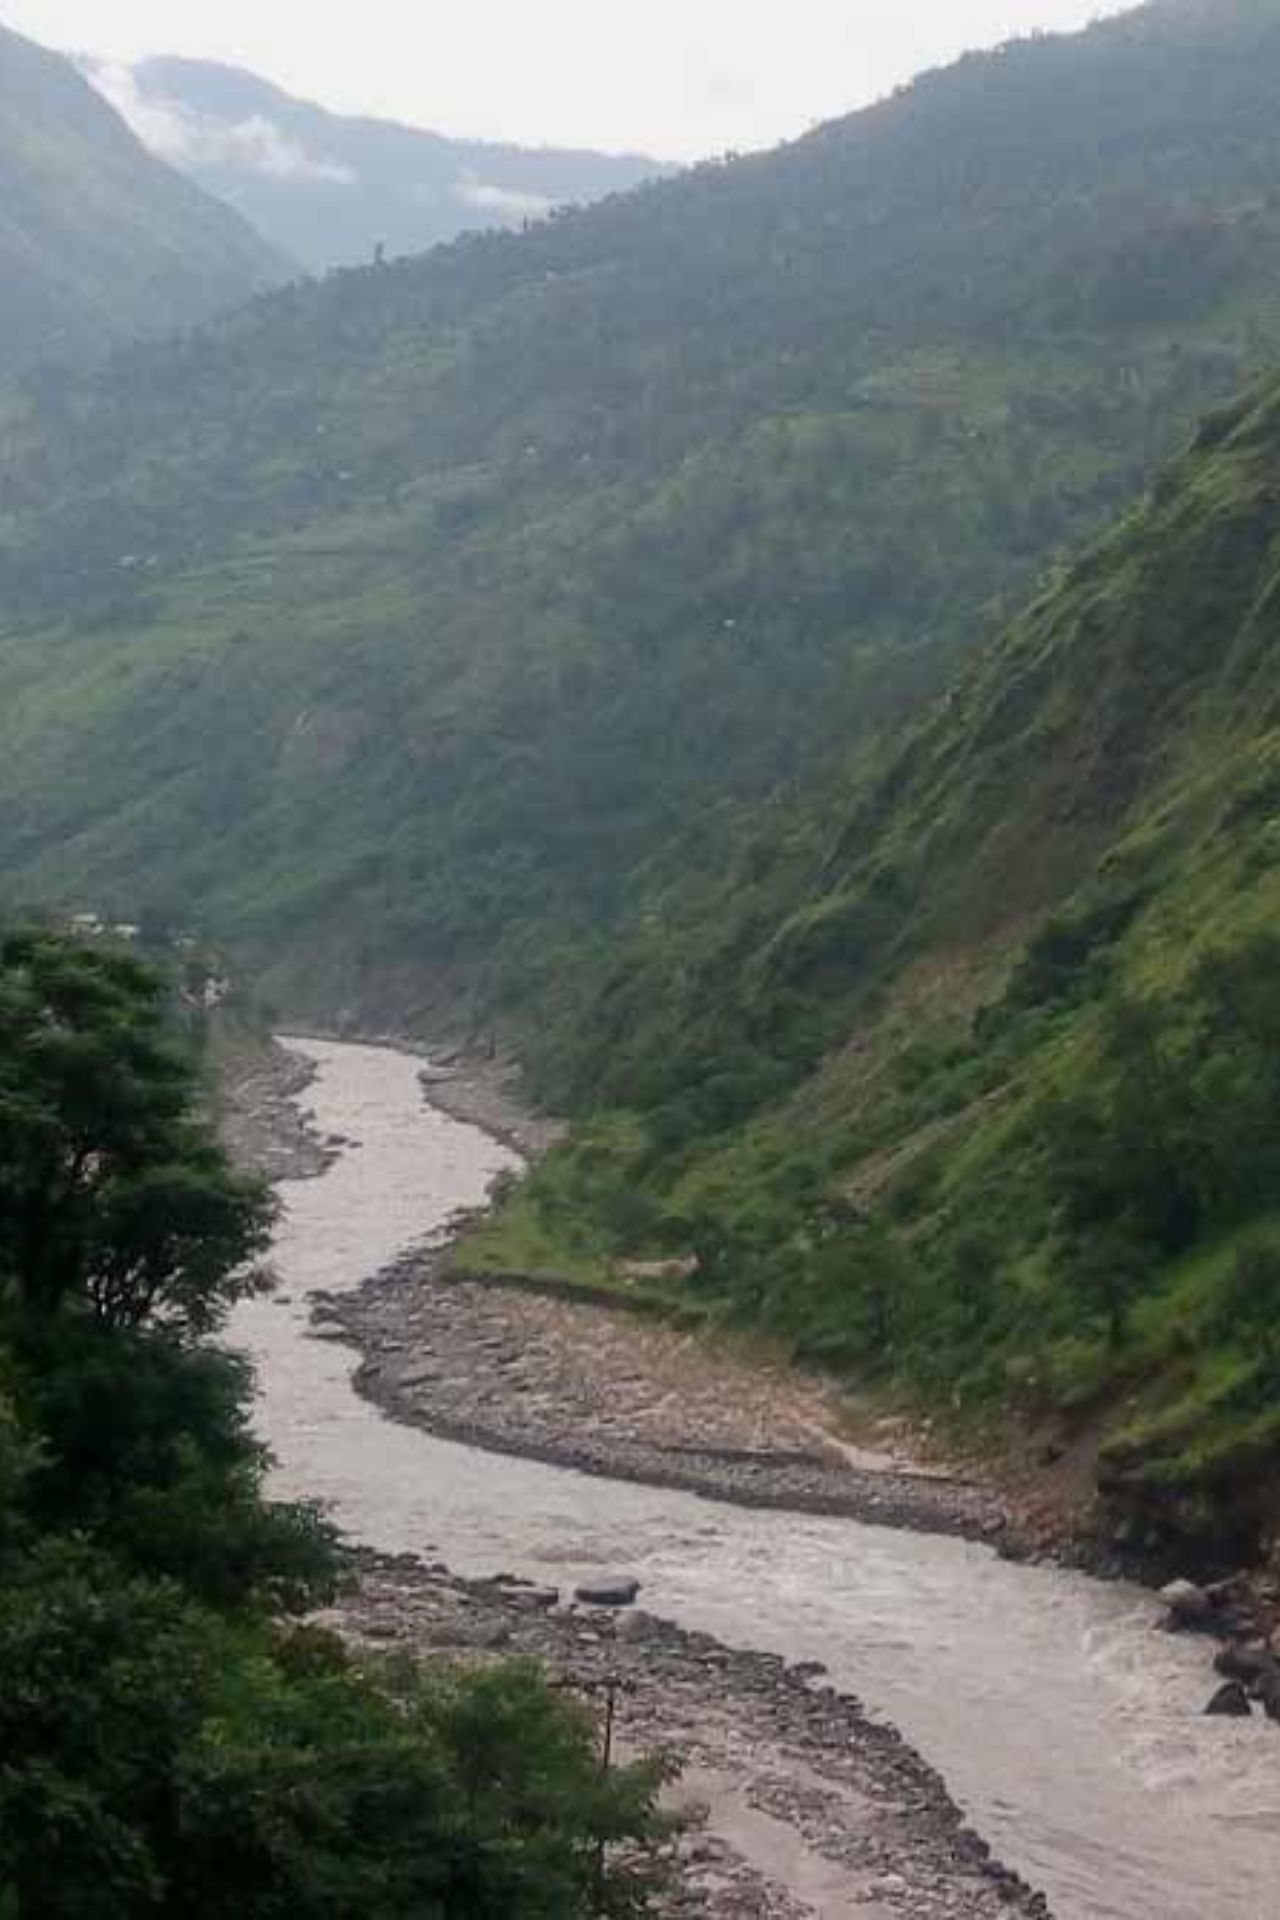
x,y
734,726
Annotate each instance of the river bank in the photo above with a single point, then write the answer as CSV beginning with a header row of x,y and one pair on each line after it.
x,y
1031,1493
575,1384
499,1363
800,1804
502,1363
580,1385
260,1113
509,1365
1068,1731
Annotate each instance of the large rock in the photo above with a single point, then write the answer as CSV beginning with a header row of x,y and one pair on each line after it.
x,y
537,1599
1246,1664
1189,1604
1230,1702
1267,1689
608,1593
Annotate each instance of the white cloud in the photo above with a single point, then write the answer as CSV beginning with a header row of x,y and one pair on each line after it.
x,y
188,139
503,200
681,78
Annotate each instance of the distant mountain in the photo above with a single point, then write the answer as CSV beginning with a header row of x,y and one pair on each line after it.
x,y
99,241
330,189
420,628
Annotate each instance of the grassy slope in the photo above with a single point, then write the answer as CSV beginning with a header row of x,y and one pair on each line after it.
x,y
983,1175
99,242
433,622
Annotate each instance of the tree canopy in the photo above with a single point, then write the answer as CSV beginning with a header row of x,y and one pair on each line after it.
x,y
172,1742
114,1197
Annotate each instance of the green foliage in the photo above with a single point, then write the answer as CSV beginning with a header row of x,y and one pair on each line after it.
x,y
146,1451
517,631
475,1797
157,1762
1249,1304
113,1195
1031,1162
169,1746
425,631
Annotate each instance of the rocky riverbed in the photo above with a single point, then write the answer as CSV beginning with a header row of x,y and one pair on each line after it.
x,y
262,1114
778,1767
515,1370
582,1385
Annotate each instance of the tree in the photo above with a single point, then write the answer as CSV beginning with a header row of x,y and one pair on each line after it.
x,y
171,1744
159,1760
115,1198
147,1452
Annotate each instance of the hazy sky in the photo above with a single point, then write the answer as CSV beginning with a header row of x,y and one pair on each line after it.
x,y
675,77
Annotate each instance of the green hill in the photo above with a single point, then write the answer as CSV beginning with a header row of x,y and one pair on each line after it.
x,y
415,629
967,1081
550,632
99,242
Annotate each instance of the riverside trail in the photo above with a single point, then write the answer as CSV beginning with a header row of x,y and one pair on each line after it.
x,y
1066,1728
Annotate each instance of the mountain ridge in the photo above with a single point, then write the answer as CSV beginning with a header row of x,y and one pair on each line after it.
x,y
653,508
329,188
99,243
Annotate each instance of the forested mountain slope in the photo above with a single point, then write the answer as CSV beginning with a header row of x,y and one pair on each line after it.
x,y
417,628
327,188
969,1081
99,242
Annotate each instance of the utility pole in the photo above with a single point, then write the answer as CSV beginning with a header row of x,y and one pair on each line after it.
x,y
612,1686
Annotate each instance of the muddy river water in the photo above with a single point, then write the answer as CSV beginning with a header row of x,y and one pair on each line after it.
x,y
1067,1727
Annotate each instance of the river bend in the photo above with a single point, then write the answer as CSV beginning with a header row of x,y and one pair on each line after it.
x,y
1066,1727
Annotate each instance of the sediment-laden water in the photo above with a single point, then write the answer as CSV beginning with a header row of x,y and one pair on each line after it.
x,y
1067,1727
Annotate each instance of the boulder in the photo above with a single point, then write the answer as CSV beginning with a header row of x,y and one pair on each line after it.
x,y
608,1593
1230,1702
539,1599
1189,1604
635,1626
1267,1689
1246,1664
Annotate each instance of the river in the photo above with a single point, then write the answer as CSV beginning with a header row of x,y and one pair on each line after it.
x,y
1067,1728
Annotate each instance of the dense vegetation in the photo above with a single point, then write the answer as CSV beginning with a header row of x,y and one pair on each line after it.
x,y
967,1080
518,627
172,1741
100,243
357,184
418,629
